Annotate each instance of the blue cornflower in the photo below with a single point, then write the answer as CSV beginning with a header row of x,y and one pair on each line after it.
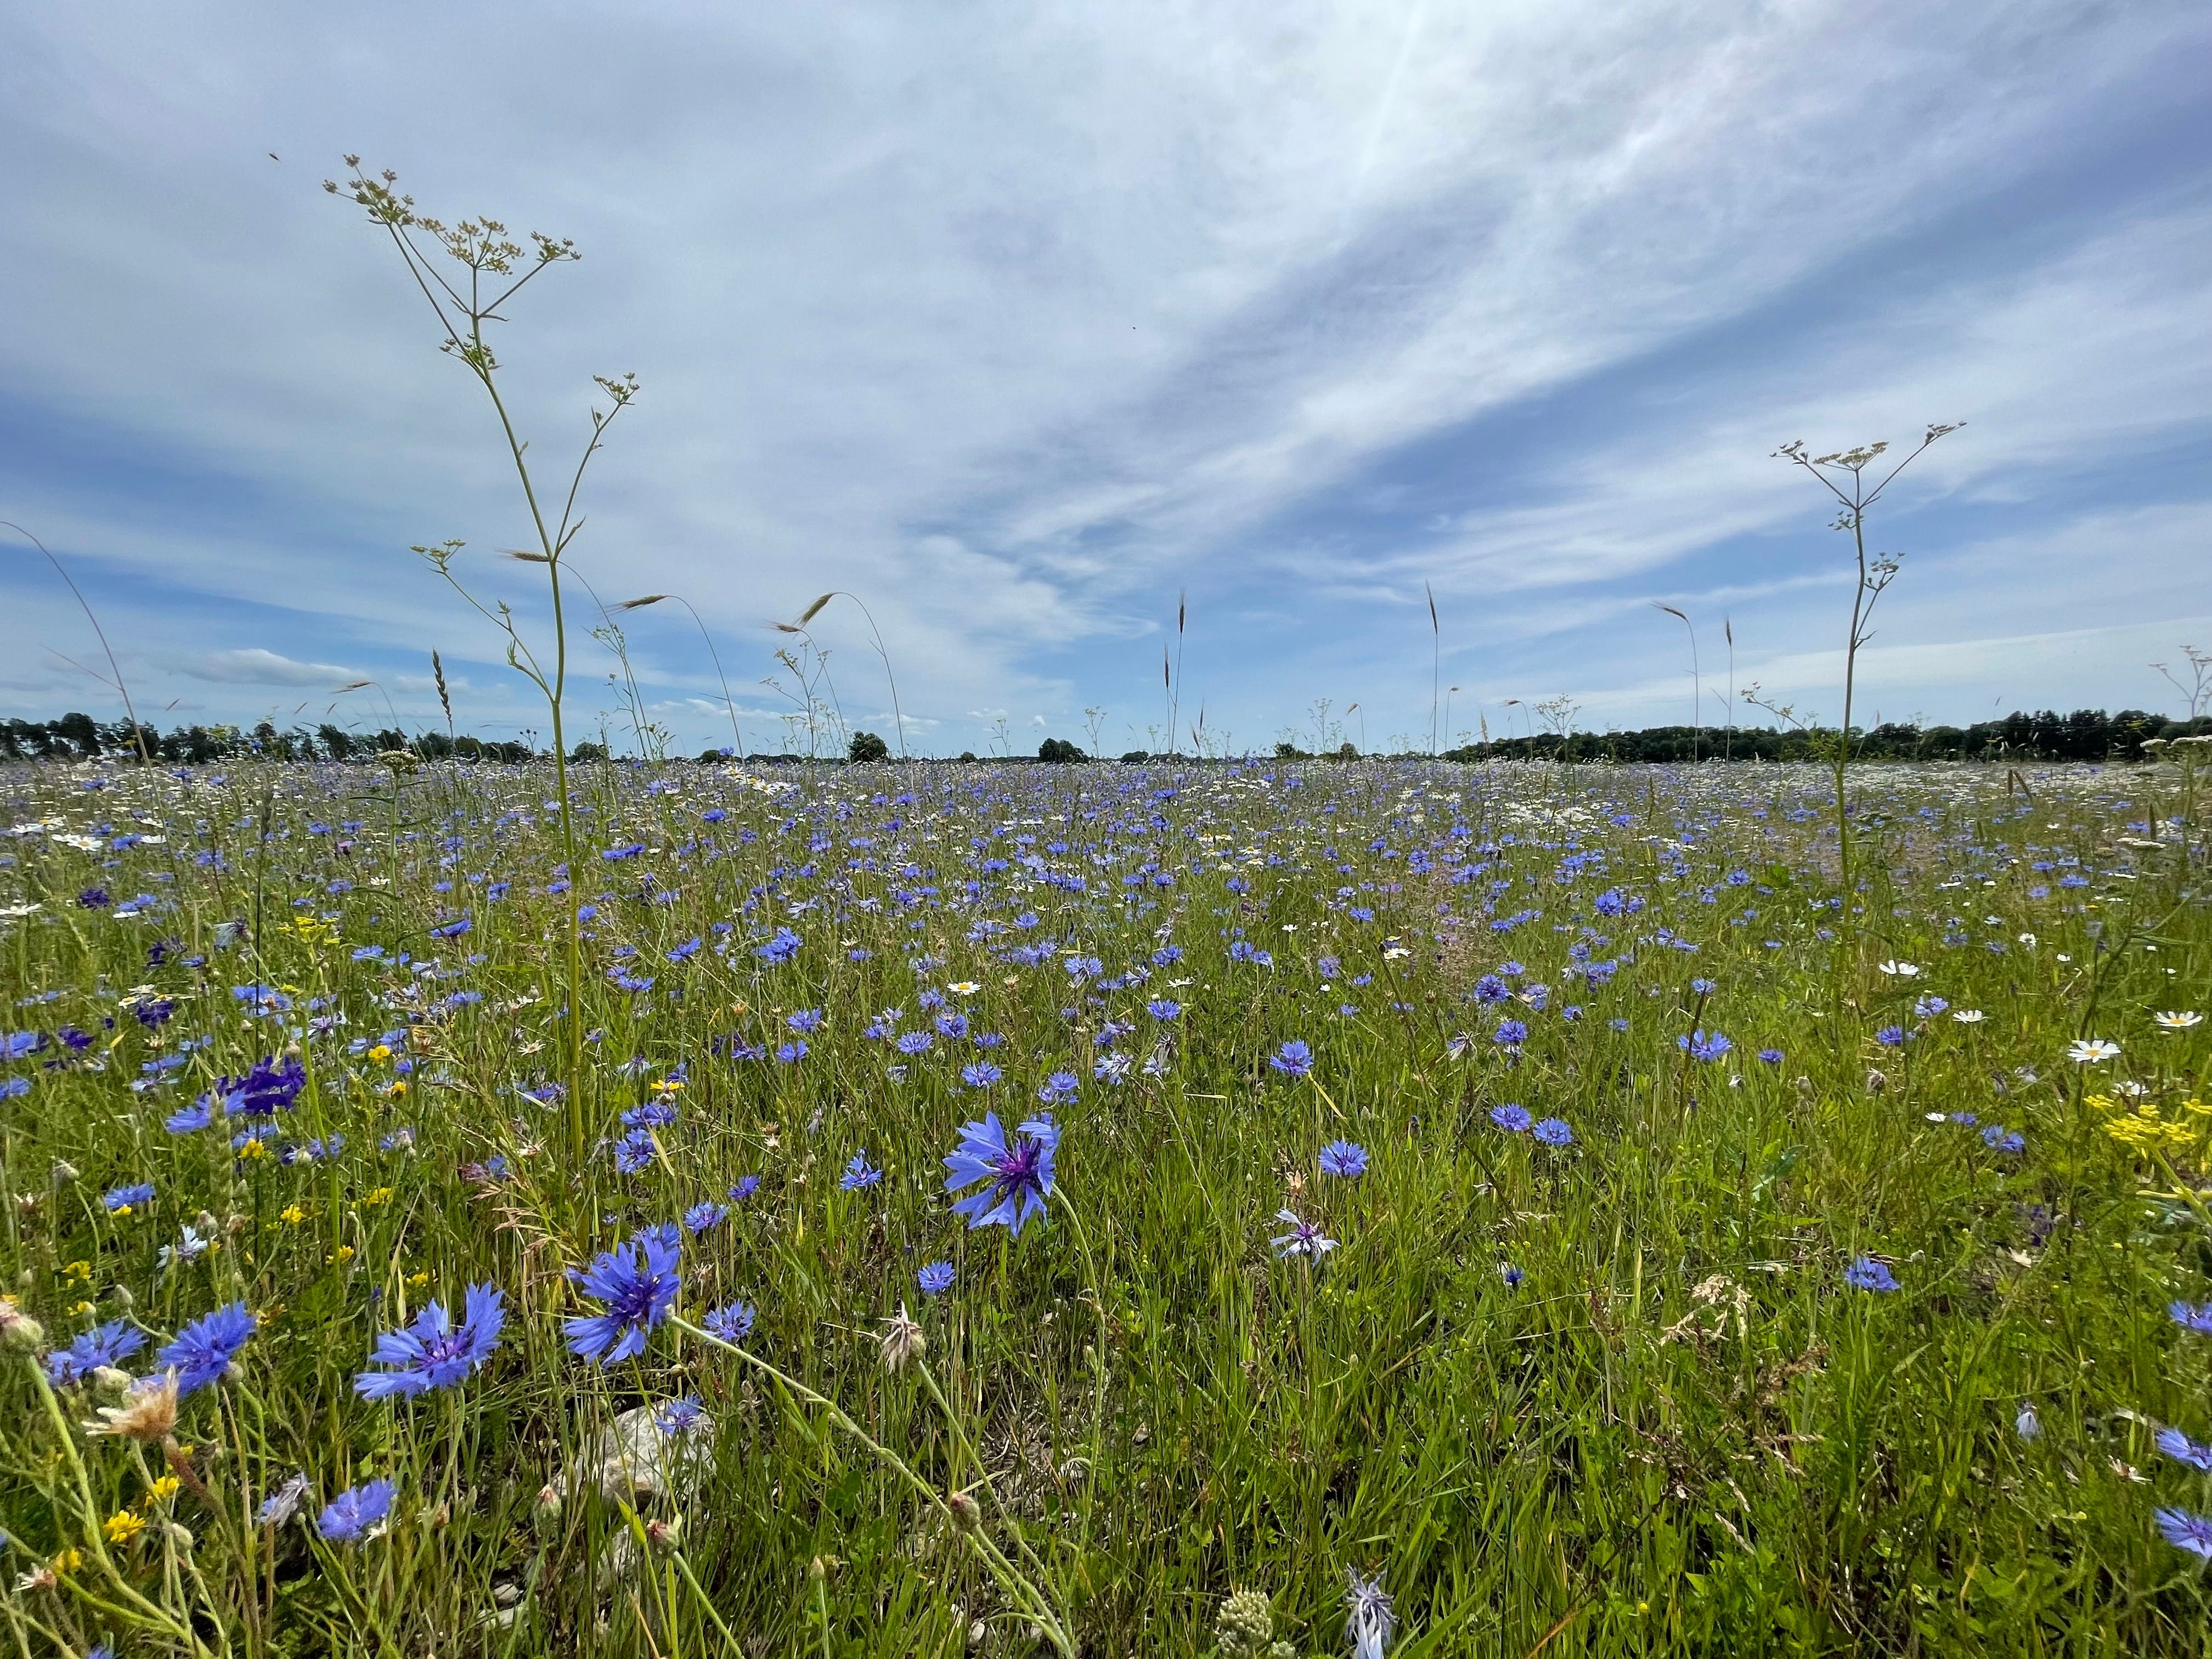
x,y
805,1022
860,1173
743,1188
1059,1088
1512,1276
914,1043
204,1350
1704,1045
638,1283
1998,1139
676,1417
1511,1118
1772,1056
2186,1531
124,1200
981,1074
1891,1037
435,1352
269,1088
1511,1033
356,1512
685,951
1304,1238
650,1115
2191,1317
732,1322
107,1344
2180,1448
935,1278
1293,1059
1163,1008
1368,1619
1554,1131
1344,1157
783,948
635,1151
705,1218
1865,1273
1020,1172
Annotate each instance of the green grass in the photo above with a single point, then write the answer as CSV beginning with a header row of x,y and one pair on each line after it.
x,y
1680,1431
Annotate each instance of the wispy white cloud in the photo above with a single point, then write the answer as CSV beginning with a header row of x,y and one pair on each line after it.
x,y
255,666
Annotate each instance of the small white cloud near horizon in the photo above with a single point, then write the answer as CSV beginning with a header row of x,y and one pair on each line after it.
x,y
256,665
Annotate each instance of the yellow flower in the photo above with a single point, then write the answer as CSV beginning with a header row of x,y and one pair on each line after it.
x,y
293,1214
666,1085
67,1561
381,1195
123,1526
418,1281
162,1490
398,1087
78,1270
379,1052
254,1149
344,1253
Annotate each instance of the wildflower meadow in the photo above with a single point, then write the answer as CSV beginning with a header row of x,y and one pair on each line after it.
x,y
1270,1206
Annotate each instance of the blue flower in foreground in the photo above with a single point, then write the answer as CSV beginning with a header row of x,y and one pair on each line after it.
x,y
1865,1273
1344,1157
2186,1531
2191,1317
1019,1171
1554,1131
1293,1059
705,1218
357,1511
108,1344
935,1278
2180,1448
860,1173
638,1283
1368,1619
435,1352
1704,1045
204,1350
732,1322
1511,1118
124,1200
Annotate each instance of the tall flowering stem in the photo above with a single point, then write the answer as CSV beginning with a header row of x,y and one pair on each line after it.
x,y
491,270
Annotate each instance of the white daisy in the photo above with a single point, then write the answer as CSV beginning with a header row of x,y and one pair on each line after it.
x,y
1967,1016
1899,970
2092,1051
2179,1021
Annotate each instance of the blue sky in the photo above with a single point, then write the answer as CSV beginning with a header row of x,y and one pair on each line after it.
x,y
1018,322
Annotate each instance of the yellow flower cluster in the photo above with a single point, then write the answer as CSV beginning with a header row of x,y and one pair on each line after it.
x,y
2142,1130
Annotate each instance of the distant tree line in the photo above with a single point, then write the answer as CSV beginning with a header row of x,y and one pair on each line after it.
x,y
2087,734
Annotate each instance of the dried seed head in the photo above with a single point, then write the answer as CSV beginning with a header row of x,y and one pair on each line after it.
x,y
19,1332
966,1514
902,1340
149,1414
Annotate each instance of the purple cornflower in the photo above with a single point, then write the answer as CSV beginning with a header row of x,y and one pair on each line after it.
x,y
2180,1448
2186,1531
935,1278
1293,1059
1344,1157
355,1511
2191,1316
705,1218
732,1322
1511,1118
204,1349
1704,1045
269,1088
638,1283
1554,1131
860,1173
1369,1619
1304,1238
1018,1172
433,1352
107,1344
1865,1273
